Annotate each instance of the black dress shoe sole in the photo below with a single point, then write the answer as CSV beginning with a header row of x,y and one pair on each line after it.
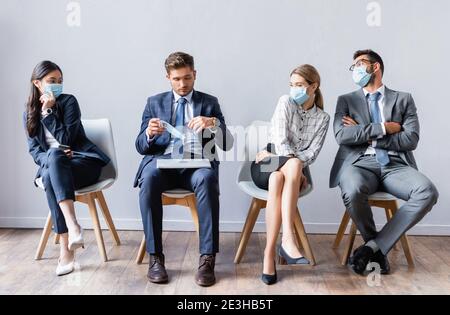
x,y
355,269
365,271
205,284
159,280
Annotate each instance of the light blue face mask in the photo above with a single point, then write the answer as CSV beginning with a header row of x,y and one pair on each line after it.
x,y
299,95
361,76
56,89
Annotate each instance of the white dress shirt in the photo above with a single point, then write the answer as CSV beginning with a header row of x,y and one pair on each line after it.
x,y
192,141
49,138
188,115
381,102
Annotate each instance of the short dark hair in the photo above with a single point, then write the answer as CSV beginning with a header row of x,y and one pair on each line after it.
x,y
373,57
178,60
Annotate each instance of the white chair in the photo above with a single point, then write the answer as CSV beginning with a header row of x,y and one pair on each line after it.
x,y
381,200
178,197
99,131
256,136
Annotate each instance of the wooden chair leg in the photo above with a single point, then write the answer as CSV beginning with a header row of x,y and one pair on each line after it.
x,y
97,227
57,236
253,212
44,237
389,215
297,239
407,250
192,204
341,231
107,216
188,201
300,230
405,242
141,252
348,248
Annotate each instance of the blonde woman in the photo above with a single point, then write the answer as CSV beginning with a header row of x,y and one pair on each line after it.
x,y
298,129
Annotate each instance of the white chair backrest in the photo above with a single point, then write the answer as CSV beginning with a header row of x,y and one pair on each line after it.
x,y
99,131
256,138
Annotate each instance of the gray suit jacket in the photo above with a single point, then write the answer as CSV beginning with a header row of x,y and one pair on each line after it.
x,y
353,141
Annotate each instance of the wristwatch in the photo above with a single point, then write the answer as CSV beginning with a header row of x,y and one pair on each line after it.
x,y
215,122
46,111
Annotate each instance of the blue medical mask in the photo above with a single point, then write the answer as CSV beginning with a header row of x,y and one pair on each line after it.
x,y
299,95
56,89
360,76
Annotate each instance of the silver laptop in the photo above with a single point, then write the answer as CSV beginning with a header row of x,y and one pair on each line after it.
x,y
183,163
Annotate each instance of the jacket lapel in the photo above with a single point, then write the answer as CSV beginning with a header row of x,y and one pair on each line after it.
x,y
166,113
197,101
362,106
41,137
389,103
167,107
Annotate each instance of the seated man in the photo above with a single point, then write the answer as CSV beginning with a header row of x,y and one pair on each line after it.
x,y
377,129
186,108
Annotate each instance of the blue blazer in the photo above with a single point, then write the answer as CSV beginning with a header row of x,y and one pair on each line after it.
x,y
65,125
160,106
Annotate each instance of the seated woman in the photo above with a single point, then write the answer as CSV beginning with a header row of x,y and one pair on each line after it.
x,y
298,129
67,159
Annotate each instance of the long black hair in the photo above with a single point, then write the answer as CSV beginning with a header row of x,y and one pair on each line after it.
x,y
34,106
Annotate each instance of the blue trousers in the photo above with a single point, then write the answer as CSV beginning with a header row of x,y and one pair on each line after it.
x,y
62,176
204,182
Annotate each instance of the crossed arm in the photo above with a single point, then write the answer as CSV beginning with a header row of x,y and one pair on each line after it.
x,y
398,136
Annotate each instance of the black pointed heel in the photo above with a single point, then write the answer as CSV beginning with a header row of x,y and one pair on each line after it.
x,y
270,279
285,259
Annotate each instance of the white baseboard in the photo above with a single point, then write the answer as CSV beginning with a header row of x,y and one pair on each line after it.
x,y
225,226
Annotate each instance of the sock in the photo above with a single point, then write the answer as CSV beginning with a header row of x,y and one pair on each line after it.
x,y
373,246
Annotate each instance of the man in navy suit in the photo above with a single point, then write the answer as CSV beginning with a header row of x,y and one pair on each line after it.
x,y
189,110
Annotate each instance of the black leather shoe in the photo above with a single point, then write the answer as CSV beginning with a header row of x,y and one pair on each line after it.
x,y
205,275
361,257
382,260
270,279
285,259
156,271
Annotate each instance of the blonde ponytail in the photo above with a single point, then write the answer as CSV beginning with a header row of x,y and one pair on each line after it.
x,y
319,98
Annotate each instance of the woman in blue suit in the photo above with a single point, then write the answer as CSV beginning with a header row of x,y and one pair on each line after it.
x,y
67,159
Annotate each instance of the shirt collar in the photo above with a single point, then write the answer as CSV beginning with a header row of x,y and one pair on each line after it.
x,y
187,97
310,112
381,89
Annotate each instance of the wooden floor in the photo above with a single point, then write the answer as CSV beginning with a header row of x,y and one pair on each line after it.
x,y
21,274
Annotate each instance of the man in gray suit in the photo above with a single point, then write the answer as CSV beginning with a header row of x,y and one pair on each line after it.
x,y
377,129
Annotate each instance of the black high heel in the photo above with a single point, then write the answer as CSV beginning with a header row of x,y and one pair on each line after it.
x,y
285,259
270,279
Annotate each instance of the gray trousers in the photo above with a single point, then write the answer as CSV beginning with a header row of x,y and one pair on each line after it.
x,y
366,177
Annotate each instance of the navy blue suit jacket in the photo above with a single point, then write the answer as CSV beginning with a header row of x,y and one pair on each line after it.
x,y
160,106
65,125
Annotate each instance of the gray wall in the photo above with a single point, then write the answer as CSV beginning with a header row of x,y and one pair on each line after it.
x,y
244,52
